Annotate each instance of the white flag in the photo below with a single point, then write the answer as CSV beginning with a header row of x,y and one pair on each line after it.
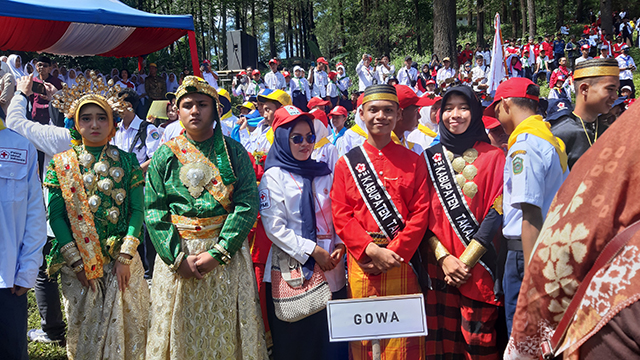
x,y
497,72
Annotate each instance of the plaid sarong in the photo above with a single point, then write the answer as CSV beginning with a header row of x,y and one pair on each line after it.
x,y
398,281
459,327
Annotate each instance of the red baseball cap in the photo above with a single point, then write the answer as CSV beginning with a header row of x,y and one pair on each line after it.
x,y
339,110
320,115
286,74
490,122
431,82
514,87
273,61
287,114
332,75
316,101
255,72
585,47
322,60
407,97
241,73
360,98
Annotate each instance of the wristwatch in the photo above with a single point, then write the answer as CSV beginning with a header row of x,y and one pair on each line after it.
x,y
19,92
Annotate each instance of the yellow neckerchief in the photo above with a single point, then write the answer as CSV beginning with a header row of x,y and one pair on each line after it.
x,y
324,141
226,116
358,130
269,135
2,127
409,145
535,126
425,130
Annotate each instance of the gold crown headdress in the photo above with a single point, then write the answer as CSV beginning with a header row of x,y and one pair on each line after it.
x,y
95,88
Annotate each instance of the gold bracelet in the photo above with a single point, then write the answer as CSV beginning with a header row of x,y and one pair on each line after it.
x,y
70,253
472,253
124,261
129,245
78,268
438,249
224,254
177,262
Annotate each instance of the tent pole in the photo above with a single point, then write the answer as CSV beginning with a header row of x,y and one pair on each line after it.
x,y
195,62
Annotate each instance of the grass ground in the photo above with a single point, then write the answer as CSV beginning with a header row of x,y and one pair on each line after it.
x,y
40,351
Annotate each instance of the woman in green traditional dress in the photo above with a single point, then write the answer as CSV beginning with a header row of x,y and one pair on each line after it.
x,y
96,207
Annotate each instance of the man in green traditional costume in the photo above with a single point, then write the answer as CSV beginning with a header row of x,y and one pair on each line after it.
x,y
201,202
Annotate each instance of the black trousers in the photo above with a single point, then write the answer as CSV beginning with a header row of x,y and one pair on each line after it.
x,y
147,253
13,331
48,299
305,339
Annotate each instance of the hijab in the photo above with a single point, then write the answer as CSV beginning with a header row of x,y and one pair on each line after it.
x,y
474,133
280,156
16,71
172,86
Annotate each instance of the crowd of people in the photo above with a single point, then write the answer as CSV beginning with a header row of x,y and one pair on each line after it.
x,y
176,226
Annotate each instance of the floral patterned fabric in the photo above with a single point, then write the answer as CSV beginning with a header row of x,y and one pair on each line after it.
x,y
597,201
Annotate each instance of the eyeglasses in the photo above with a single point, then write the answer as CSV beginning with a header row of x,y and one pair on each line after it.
x,y
298,139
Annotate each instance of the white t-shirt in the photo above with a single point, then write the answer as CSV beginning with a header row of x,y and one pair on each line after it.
x,y
208,76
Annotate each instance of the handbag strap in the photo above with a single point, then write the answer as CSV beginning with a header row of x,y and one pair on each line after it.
x,y
607,254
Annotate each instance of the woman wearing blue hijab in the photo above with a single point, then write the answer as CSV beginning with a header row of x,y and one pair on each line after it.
x,y
295,207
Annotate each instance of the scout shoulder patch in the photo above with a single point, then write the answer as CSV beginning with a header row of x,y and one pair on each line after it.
x,y
155,135
517,152
265,199
517,165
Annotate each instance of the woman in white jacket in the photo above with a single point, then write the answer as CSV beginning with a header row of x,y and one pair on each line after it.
x,y
295,207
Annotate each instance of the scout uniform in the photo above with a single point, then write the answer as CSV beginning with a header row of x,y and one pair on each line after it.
x,y
536,166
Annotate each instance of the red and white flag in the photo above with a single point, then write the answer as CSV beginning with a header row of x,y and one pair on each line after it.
x,y
498,71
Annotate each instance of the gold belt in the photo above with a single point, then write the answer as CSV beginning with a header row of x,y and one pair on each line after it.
x,y
198,228
379,238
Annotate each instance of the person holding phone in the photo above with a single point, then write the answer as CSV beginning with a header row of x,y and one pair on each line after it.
x,y
40,100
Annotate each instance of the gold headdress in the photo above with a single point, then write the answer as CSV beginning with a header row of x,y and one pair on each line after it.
x,y
93,90
194,84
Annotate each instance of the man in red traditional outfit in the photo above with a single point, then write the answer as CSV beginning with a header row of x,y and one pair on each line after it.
x,y
379,255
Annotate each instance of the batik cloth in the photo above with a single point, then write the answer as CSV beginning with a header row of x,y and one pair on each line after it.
x,y
596,202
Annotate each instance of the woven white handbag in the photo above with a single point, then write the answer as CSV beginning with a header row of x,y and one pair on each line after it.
x,y
294,297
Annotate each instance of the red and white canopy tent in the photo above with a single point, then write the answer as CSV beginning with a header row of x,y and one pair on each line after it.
x,y
90,27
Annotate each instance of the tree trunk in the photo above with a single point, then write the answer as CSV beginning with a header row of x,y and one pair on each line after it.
x,y
417,27
223,36
531,8
523,16
272,30
606,16
514,19
289,33
579,10
559,14
253,18
343,38
444,30
480,23
237,15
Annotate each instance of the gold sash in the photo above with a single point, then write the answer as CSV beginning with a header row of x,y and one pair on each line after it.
x,y
324,141
80,216
187,153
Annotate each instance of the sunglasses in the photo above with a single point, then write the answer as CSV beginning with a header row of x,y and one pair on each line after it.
x,y
298,139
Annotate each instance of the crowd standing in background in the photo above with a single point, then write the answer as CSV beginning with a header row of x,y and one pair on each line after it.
x,y
180,227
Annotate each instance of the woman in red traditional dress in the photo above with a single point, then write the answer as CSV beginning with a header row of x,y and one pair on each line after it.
x,y
465,185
